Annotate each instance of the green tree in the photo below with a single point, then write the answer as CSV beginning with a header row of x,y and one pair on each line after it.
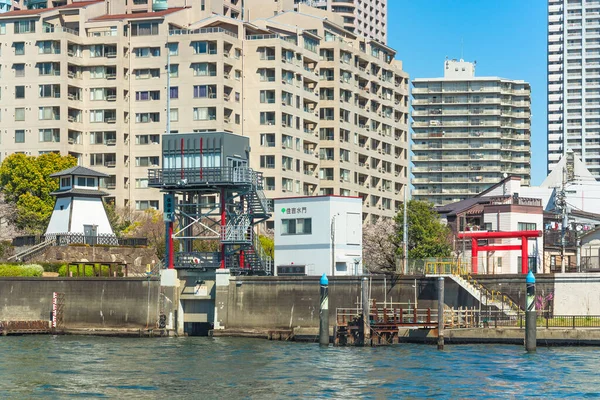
x,y
25,182
427,235
268,245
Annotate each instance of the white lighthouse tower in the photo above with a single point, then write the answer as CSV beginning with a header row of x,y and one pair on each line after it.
x,y
78,210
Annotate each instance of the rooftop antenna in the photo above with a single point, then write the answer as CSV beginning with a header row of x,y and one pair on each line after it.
x,y
462,49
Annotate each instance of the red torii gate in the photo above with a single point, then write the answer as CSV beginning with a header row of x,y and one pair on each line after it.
x,y
523,235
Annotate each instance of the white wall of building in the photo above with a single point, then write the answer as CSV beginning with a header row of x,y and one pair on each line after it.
x,y
506,262
314,250
89,211
59,221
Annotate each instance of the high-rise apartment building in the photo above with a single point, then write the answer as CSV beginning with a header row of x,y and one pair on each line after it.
x,y
468,132
325,110
366,18
574,81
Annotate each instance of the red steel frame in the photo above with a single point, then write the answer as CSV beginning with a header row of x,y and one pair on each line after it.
x,y
523,235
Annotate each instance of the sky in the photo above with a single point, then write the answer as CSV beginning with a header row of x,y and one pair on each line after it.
x,y
507,38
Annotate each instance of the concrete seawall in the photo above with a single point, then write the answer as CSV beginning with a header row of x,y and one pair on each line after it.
x,y
89,303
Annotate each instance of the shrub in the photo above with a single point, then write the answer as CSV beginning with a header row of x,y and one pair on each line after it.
x,y
86,270
21,270
51,267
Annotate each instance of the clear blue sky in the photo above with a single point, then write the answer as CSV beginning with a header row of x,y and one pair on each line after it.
x,y
507,39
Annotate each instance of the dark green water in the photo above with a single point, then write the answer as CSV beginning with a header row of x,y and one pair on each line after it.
x,y
229,368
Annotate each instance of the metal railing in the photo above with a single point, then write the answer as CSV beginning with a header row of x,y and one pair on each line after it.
x,y
472,318
68,238
201,175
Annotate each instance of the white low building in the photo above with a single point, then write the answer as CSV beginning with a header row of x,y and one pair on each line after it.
x,y
312,234
79,209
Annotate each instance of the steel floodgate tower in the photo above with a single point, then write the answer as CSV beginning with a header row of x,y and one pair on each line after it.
x,y
216,201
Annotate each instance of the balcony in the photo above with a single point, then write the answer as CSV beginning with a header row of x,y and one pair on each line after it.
x,y
190,177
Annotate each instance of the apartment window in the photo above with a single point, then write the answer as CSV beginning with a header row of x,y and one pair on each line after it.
x,y
144,29
267,96
19,70
526,226
174,71
141,205
141,183
174,115
19,48
267,139
27,26
19,92
20,136
173,49
147,73
142,118
49,68
3,28
108,116
267,161
204,69
267,118
296,226
205,113
204,47
174,92
49,135
147,95
205,91
147,139
146,161
147,51
19,114
49,91
48,47
108,138
46,113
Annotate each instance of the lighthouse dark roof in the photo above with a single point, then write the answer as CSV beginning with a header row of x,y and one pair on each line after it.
x,y
79,192
81,171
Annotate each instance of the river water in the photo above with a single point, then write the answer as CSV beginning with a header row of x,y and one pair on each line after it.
x,y
230,368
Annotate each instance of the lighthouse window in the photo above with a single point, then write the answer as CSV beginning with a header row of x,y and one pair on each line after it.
x,y
64,182
86,182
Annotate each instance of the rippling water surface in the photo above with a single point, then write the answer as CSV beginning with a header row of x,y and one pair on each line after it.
x,y
228,368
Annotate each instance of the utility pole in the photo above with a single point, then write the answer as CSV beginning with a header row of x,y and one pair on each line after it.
x,y
561,202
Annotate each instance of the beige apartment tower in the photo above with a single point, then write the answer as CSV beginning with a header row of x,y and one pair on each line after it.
x,y
468,133
325,110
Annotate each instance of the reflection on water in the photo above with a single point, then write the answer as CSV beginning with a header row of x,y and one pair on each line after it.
x,y
226,368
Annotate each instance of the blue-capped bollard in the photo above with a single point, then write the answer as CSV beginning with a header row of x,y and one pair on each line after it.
x,y
530,315
324,312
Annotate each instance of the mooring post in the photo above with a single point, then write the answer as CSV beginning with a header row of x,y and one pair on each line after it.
x,y
366,310
440,343
530,314
324,312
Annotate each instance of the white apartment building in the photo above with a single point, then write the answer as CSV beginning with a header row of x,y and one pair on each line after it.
x,y
366,18
468,132
574,81
325,110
